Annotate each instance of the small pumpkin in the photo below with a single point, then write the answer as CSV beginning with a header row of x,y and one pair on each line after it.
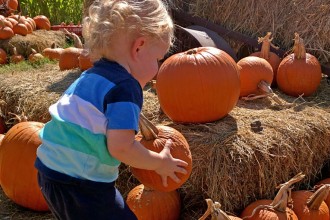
x,y
53,52
198,86
272,58
309,205
3,56
149,204
69,58
16,57
6,31
35,56
299,73
253,70
277,208
84,61
18,176
42,22
154,138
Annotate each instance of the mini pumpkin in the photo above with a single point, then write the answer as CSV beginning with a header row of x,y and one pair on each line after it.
x,y
299,73
42,22
149,204
154,138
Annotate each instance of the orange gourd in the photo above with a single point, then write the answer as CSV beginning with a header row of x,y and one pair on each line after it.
x,y
3,56
154,138
149,204
6,30
18,176
16,57
299,73
69,58
277,208
84,61
42,22
308,205
272,58
35,56
199,85
52,53
253,70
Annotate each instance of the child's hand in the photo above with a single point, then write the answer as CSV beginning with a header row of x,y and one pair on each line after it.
x,y
170,165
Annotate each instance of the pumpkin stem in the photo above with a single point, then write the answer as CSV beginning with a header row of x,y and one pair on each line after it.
x,y
214,210
266,43
283,196
265,87
314,202
148,130
299,47
76,39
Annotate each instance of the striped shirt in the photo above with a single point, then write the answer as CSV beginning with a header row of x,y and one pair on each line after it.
x,y
74,141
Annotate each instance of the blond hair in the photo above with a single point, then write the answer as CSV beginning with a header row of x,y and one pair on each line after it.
x,y
107,19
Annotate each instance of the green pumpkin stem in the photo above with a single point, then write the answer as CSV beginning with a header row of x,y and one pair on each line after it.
x,y
314,202
148,130
299,47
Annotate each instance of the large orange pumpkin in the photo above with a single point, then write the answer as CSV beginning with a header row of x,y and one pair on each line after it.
x,y
42,22
18,176
308,205
154,138
199,85
252,71
148,204
272,58
299,73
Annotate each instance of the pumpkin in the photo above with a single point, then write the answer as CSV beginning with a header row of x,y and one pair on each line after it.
x,y
3,56
321,183
16,58
149,204
308,205
198,86
69,58
35,56
53,52
277,208
42,22
272,58
12,4
18,176
299,73
84,61
154,138
214,209
253,70
6,30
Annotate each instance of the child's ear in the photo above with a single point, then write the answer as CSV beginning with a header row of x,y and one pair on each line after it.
x,y
138,44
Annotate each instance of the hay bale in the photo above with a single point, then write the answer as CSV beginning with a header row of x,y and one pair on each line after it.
x,y
233,163
38,40
281,17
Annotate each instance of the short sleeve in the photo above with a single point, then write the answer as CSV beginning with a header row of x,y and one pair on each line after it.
x,y
123,105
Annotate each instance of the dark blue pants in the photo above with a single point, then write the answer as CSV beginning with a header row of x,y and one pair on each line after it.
x,y
69,198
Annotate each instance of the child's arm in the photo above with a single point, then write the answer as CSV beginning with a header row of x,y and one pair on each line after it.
x,y
122,146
